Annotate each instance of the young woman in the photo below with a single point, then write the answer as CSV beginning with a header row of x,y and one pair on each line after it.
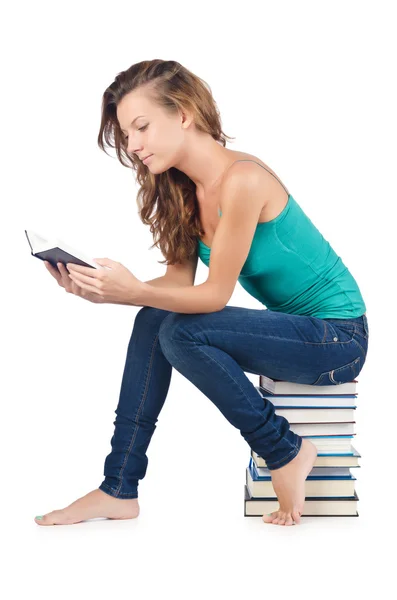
x,y
229,209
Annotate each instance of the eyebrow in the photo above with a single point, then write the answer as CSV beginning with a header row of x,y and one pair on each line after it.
x,y
132,122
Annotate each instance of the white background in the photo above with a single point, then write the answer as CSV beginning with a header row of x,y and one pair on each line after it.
x,y
309,87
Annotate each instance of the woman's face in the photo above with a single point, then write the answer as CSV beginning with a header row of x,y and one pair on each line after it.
x,y
149,129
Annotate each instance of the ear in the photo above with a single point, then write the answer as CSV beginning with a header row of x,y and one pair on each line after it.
x,y
187,118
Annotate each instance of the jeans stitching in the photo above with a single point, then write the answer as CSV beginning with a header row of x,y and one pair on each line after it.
x,y
343,322
319,378
363,333
283,459
126,494
332,371
360,346
135,432
274,337
365,325
353,332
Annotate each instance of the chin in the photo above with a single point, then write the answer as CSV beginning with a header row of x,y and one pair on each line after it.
x,y
158,170
153,169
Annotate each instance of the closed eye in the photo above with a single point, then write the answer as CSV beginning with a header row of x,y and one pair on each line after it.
x,y
140,129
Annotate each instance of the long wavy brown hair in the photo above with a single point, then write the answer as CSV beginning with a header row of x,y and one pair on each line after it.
x,y
166,201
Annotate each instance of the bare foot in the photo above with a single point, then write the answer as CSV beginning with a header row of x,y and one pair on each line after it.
x,y
94,504
289,485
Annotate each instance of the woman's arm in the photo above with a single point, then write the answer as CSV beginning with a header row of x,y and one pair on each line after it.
x,y
164,281
175,297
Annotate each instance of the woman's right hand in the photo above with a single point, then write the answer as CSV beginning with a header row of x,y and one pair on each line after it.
x,y
63,279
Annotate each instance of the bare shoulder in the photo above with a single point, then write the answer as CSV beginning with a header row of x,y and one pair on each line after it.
x,y
243,187
247,175
262,186
250,169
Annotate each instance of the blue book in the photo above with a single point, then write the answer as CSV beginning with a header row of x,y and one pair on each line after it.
x,y
334,481
324,459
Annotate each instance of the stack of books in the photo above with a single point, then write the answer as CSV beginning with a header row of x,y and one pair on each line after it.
x,y
326,418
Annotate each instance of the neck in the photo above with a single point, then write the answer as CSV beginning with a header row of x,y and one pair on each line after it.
x,y
205,164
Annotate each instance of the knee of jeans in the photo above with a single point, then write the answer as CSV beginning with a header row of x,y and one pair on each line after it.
x,y
151,317
149,311
167,329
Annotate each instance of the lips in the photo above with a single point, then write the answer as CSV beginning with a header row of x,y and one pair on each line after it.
x,y
146,157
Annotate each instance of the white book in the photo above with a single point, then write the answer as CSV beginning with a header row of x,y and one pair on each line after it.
x,y
322,428
275,386
55,250
316,415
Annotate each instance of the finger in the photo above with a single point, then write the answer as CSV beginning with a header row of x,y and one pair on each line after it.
x,y
80,278
66,281
62,269
54,272
85,286
76,290
88,271
49,266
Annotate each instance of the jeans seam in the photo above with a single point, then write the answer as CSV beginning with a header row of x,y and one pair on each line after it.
x,y
360,346
283,459
127,494
135,432
362,333
331,372
331,342
274,337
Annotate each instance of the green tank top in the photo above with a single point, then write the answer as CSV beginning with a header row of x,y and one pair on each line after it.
x,y
291,268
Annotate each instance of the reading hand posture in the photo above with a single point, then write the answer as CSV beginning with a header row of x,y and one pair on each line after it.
x,y
113,285
64,279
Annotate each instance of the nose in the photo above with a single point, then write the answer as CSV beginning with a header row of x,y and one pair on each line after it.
x,y
131,148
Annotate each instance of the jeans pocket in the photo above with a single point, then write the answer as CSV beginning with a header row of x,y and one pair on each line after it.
x,y
331,331
339,331
340,375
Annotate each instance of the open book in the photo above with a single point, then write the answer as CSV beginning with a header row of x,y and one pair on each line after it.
x,y
55,250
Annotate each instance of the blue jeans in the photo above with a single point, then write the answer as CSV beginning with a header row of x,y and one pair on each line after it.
x,y
213,350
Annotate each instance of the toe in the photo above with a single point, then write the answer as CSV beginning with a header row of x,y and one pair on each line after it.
x,y
268,518
56,517
276,519
280,518
43,519
296,515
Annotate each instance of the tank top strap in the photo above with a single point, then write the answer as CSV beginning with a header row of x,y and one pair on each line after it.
x,y
250,160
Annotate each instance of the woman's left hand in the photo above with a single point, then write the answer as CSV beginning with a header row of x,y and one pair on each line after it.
x,y
116,285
